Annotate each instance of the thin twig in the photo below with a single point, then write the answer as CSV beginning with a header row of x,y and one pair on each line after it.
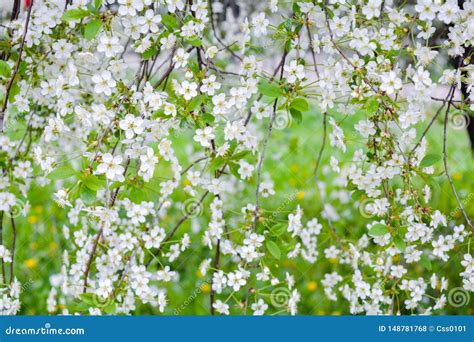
x,y
316,177
264,148
211,15
12,270
17,67
91,257
313,54
445,162
4,280
451,91
15,10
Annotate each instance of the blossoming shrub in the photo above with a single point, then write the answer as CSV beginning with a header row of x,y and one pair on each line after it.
x,y
216,157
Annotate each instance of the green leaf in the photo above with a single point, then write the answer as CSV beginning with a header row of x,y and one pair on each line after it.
x,y
75,14
115,185
234,169
399,243
97,4
170,21
296,8
92,28
109,309
62,172
279,228
88,195
217,163
208,118
296,115
194,41
93,183
378,230
150,52
430,159
426,262
195,102
240,155
14,91
88,298
269,89
4,69
300,104
273,249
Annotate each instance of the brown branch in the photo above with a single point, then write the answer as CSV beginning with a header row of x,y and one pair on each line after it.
x,y
323,145
194,163
17,67
312,51
91,258
15,10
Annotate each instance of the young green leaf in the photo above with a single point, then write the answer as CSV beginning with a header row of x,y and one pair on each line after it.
x,y
194,41
170,21
240,155
195,102
92,29
296,115
88,195
75,14
14,91
269,89
97,4
62,172
4,69
234,169
273,249
150,52
300,104
430,159
88,298
378,230
399,243
93,183
426,262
